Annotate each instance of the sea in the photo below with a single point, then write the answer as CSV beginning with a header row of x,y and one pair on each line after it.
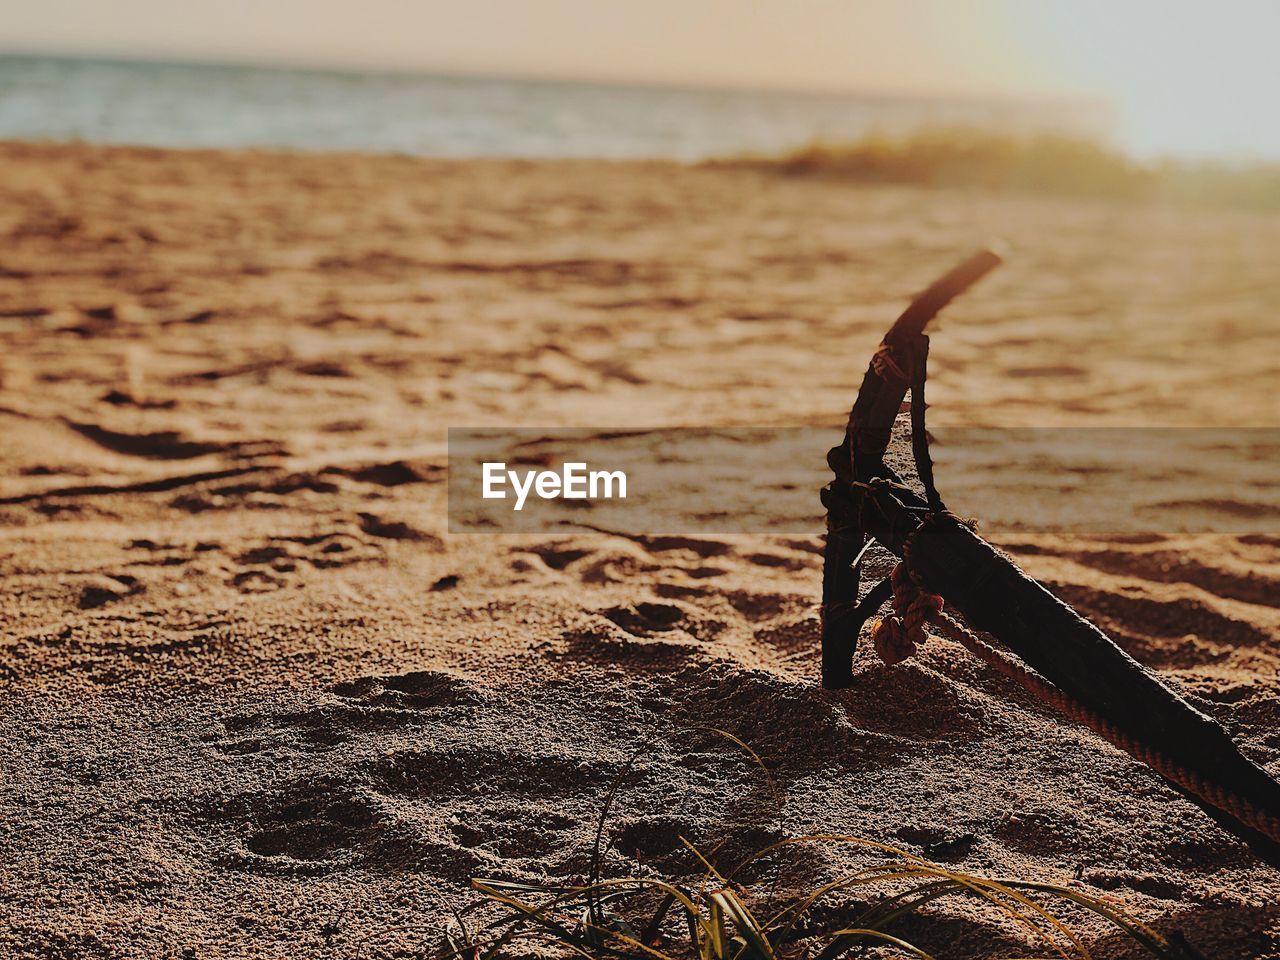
x,y
207,105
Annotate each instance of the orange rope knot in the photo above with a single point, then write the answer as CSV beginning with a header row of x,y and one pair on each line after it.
x,y
897,636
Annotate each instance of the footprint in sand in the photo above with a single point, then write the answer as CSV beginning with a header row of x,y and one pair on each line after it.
x,y
369,787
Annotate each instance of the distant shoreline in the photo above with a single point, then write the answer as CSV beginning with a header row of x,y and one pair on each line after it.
x,y
151,103
321,69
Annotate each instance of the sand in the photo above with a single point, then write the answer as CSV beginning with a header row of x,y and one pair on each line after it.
x,y
259,702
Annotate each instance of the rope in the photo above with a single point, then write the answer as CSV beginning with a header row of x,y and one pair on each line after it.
x,y
897,637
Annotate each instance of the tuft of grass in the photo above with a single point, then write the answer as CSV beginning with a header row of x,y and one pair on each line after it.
x,y
1033,163
715,917
643,917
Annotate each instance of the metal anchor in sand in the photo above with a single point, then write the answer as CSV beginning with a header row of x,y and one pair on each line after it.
x,y
1009,619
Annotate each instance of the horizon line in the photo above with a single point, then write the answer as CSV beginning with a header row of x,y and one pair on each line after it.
x,y
231,62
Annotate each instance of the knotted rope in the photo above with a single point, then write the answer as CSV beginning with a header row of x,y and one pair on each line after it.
x,y
897,636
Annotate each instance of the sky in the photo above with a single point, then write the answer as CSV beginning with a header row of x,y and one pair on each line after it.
x,y
1189,77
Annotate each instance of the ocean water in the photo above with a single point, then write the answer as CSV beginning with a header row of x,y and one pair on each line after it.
x,y
200,105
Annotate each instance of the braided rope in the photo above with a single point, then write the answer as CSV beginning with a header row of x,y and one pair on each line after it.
x,y
1242,809
897,638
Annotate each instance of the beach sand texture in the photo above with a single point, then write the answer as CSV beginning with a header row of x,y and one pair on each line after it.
x,y
258,702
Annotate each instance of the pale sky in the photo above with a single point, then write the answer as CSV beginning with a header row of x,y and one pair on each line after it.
x,y
1190,76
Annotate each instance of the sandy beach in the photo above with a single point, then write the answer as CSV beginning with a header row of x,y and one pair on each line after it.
x,y
259,702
